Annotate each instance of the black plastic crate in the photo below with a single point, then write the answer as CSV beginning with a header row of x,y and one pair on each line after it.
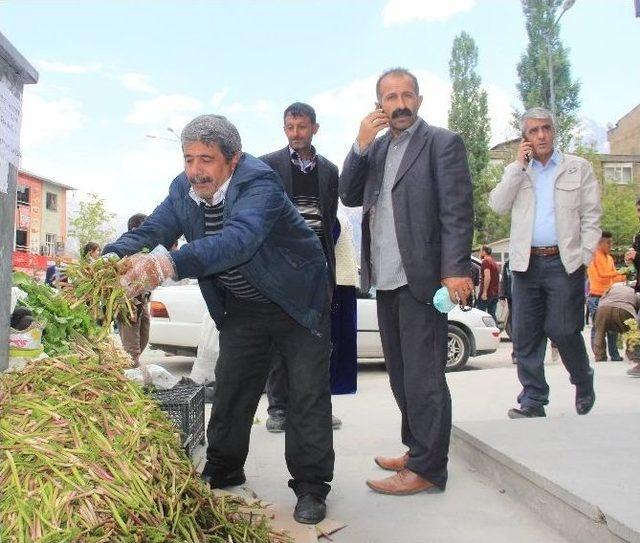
x,y
184,405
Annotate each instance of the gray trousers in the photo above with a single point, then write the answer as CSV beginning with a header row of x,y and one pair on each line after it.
x,y
414,342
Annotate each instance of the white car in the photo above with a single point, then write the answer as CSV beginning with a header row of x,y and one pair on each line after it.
x,y
178,312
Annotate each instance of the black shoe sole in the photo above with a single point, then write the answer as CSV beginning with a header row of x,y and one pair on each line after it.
x,y
304,520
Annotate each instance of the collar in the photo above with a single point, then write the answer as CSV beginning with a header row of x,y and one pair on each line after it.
x,y
218,196
556,158
305,165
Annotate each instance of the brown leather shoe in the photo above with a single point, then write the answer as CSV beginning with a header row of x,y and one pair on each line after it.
x,y
392,464
403,483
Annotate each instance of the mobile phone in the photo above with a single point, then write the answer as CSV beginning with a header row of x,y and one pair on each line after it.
x,y
527,156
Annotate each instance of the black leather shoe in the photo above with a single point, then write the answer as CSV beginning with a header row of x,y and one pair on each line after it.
x,y
233,479
526,412
585,400
310,509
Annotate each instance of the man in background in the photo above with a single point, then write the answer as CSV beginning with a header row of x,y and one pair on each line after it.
x,y
602,274
311,182
489,281
135,335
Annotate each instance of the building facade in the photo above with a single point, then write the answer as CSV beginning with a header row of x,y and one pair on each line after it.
x,y
40,223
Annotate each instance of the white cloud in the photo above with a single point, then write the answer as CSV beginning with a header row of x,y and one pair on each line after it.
x,y
46,119
137,82
404,11
62,67
501,105
173,110
217,97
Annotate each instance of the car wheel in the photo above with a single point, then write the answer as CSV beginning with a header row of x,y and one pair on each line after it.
x,y
458,349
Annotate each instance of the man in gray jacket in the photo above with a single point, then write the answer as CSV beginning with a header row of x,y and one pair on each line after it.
x,y
554,199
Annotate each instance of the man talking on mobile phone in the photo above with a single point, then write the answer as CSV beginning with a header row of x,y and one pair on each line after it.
x,y
554,200
414,186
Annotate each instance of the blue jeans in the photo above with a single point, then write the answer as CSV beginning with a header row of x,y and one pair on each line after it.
x,y
612,337
548,303
489,306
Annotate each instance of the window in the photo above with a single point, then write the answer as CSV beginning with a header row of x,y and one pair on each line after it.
x,y
21,240
22,194
52,201
50,245
618,173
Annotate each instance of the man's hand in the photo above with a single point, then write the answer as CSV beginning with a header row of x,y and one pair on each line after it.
x,y
146,272
525,151
484,296
460,288
630,256
370,126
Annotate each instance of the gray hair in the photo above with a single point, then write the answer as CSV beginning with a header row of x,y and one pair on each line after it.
x,y
536,113
213,129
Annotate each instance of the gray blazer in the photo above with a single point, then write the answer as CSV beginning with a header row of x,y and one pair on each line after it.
x,y
432,206
280,161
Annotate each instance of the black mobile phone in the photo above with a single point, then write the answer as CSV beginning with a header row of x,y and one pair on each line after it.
x,y
527,156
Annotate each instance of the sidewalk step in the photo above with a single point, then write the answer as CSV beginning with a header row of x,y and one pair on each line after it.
x,y
580,475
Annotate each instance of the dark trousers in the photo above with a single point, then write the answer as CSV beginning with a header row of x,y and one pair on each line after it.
x,y
611,335
344,354
414,342
489,305
548,303
249,333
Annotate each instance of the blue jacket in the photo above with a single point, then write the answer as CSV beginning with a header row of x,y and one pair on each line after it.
x,y
263,236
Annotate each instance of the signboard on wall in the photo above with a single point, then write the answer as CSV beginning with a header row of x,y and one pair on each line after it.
x,y
10,117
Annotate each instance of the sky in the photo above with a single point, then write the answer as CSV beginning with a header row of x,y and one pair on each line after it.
x,y
118,79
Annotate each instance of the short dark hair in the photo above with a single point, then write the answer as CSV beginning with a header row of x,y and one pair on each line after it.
x,y
300,109
486,249
397,71
638,202
135,221
89,248
606,235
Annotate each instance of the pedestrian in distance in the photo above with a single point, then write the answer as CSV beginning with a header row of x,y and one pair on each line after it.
x,y
554,200
414,186
489,282
135,334
602,274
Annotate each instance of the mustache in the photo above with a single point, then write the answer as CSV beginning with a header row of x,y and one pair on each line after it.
x,y
401,112
200,179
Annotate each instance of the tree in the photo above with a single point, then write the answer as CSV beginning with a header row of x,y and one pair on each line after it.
x,y
92,221
619,215
469,117
533,68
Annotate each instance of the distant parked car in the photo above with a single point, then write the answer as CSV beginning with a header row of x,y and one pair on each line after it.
x,y
177,316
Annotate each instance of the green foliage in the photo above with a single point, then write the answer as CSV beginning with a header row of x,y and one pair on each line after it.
x,y
619,214
533,68
92,221
62,322
494,226
469,117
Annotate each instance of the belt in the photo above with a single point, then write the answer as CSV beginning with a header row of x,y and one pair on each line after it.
x,y
552,250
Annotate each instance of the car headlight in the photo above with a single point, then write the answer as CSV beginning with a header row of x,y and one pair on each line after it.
x,y
488,321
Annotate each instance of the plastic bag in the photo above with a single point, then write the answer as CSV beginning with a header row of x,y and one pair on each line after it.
x,y
25,345
152,375
204,366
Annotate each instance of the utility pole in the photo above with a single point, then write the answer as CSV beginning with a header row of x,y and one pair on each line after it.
x,y
568,4
15,72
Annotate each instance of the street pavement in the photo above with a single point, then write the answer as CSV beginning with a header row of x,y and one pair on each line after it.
x,y
473,508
